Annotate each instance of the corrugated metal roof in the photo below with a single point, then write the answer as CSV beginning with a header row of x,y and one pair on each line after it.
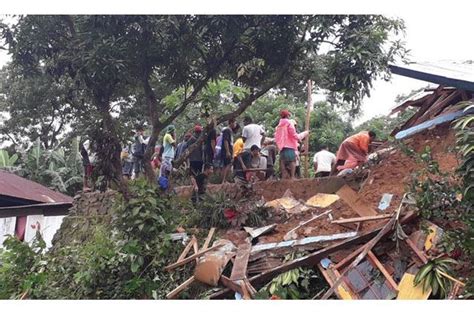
x,y
459,75
15,186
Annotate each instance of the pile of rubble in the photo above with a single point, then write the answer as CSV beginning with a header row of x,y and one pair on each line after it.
x,y
365,239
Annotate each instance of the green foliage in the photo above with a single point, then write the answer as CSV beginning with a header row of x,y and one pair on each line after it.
x,y
121,259
59,168
430,277
7,162
210,212
465,141
20,266
295,284
384,125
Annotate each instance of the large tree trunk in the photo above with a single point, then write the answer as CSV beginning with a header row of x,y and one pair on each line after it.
x,y
109,148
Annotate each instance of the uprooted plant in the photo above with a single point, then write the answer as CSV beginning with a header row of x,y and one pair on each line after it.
x,y
435,275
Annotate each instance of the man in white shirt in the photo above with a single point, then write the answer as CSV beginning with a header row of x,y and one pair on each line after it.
x,y
252,134
323,162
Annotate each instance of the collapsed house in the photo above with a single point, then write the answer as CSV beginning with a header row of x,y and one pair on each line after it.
x,y
27,207
363,235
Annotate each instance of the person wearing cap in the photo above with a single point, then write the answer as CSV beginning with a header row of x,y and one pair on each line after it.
x,y
169,144
286,139
196,156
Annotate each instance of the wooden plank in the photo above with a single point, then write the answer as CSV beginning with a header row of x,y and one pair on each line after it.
x,y
187,248
407,290
421,256
367,247
239,270
362,219
348,258
349,196
382,269
209,238
245,295
342,292
313,258
180,288
231,285
429,101
190,258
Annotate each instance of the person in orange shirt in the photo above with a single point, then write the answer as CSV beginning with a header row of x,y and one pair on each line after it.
x,y
354,148
238,147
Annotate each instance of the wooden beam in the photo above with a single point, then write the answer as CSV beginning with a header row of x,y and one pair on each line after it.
x,y
190,258
187,248
209,238
231,285
348,258
367,247
421,256
382,269
309,108
362,219
239,270
180,288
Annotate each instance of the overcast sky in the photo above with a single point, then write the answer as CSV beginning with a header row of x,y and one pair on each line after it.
x,y
433,33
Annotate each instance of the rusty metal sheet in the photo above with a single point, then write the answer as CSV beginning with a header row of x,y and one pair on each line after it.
x,y
12,185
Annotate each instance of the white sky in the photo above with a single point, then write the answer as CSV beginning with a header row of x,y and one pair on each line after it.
x,y
434,32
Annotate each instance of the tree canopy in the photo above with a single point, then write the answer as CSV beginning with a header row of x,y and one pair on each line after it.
x,y
111,66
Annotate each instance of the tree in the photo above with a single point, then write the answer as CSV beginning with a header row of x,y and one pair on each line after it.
x,y
148,58
38,106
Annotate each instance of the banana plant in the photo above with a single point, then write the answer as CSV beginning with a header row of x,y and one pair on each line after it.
x,y
7,162
435,275
465,143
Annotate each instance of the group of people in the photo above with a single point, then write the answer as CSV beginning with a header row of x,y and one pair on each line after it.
x,y
248,153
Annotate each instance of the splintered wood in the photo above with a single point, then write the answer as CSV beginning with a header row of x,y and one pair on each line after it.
x,y
239,271
349,196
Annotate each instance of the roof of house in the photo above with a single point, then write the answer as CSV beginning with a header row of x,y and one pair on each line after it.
x,y
12,185
450,74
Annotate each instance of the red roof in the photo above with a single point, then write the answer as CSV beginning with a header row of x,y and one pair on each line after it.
x,y
15,186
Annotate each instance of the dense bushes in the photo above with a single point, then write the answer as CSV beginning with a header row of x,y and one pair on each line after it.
x,y
123,259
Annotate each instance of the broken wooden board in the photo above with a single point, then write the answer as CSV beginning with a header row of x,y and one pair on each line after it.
x,y
322,200
408,291
349,196
208,238
187,248
180,288
312,259
239,270
343,292
190,258
210,266
362,219
303,241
